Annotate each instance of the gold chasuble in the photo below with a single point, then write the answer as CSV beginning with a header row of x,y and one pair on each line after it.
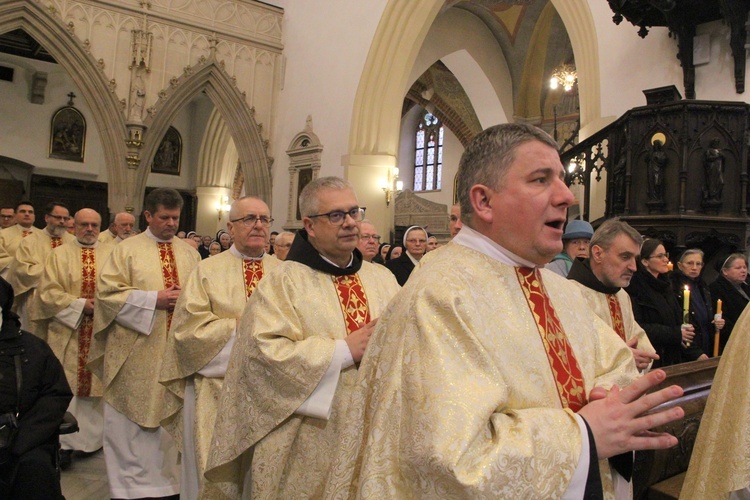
x,y
70,274
126,361
285,345
212,299
10,239
720,462
470,382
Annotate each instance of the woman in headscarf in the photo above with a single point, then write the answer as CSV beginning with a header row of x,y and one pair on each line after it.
x,y
732,289
415,242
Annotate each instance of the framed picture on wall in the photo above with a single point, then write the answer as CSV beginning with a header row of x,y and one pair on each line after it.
x,y
167,158
67,135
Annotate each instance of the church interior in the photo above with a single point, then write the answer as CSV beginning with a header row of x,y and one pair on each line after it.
x,y
102,101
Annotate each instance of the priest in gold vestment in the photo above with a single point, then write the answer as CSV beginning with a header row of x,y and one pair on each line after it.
x,y
720,462
11,237
293,365
203,333
65,312
135,294
488,377
613,251
27,267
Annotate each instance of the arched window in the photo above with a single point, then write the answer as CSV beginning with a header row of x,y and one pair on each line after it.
x,y
428,156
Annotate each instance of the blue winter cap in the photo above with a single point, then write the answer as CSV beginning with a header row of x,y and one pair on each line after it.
x,y
578,229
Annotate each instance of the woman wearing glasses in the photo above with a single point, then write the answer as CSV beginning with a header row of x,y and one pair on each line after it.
x,y
688,277
731,287
657,310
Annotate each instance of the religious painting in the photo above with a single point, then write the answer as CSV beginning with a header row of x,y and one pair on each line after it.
x,y
167,159
67,135
305,178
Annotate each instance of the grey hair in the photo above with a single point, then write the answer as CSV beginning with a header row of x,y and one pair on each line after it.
x,y
489,156
233,210
729,262
308,198
611,229
691,251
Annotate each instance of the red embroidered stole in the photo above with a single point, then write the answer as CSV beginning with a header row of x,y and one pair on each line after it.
x,y
252,270
616,314
85,330
353,301
562,360
25,233
56,241
168,271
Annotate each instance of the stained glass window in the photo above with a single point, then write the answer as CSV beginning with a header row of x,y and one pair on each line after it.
x,y
428,157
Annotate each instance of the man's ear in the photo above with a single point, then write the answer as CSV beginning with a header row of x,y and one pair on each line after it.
x,y
596,253
308,225
480,196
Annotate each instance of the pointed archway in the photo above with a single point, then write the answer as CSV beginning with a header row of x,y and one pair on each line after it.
x,y
68,51
210,77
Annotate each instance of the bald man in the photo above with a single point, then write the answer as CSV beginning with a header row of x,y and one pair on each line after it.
x,y
369,240
65,311
121,229
282,244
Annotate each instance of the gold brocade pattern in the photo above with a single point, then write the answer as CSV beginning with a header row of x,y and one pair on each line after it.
x,y
353,301
168,271
455,398
285,345
252,271
561,357
720,462
616,314
85,331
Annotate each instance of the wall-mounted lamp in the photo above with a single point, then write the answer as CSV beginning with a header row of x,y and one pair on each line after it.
x,y
391,185
222,206
564,76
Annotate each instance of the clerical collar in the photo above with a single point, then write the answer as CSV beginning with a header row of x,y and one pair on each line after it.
x,y
151,235
581,272
411,257
482,244
233,250
96,244
303,252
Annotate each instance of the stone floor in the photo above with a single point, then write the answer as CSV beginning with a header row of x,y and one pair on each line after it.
x,y
86,479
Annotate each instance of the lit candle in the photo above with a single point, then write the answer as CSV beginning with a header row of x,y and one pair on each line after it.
x,y
686,303
718,307
670,266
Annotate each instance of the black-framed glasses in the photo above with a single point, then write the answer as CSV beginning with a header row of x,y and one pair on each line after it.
x,y
375,237
250,220
60,217
337,216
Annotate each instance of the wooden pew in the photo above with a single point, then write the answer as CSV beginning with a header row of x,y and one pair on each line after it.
x,y
658,474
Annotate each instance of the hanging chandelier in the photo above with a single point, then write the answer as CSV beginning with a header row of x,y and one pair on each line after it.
x,y
564,76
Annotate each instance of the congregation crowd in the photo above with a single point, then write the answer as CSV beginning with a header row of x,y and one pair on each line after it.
x,y
329,364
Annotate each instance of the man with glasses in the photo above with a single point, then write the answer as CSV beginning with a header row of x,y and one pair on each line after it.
x,y
293,365
369,240
415,242
202,335
282,244
7,217
66,313
26,270
11,237
136,292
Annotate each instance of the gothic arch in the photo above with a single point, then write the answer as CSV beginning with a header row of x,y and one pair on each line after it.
x,y
41,23
217,159
209,77
396,43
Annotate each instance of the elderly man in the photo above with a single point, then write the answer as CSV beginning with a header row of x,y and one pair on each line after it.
x,y
613,253
369,240
124,225
7,217
282,244
203,333
135,294
11,237
66,308
495,386
454,220
576,240
27,268
415,242
293,365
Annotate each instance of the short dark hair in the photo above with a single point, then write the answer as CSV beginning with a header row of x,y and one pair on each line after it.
x,y
24,202
488,157
162,197
51,206
649,246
